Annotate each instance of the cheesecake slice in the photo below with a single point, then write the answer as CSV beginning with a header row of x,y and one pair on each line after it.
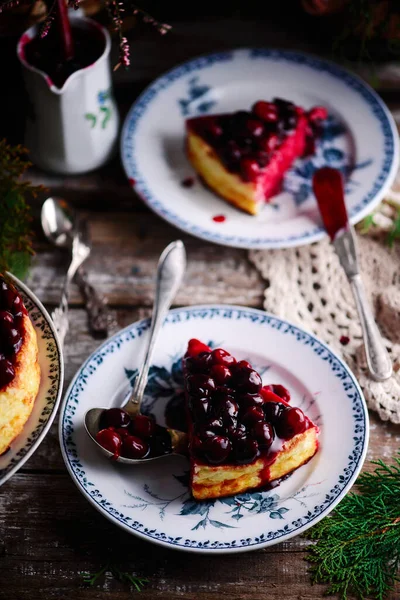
x,y
243,156
19,365
242,435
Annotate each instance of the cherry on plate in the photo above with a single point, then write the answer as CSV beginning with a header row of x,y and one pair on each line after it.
x,y
273,411
291,423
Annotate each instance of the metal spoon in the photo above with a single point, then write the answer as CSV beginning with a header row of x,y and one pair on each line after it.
x,y
170,271
64,229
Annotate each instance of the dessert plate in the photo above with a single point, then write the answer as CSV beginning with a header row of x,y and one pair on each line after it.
x,y
153,500
360,138
51,382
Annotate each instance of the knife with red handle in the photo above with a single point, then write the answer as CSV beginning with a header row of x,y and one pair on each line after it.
x,y
329,192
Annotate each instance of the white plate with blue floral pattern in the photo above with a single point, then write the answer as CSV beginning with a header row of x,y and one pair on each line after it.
x,y
359,138
153,501
51,382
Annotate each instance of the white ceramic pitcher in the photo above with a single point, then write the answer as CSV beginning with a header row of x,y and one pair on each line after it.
x,y
72,129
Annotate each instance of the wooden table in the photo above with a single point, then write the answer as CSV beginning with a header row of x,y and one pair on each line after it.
x,y
49,534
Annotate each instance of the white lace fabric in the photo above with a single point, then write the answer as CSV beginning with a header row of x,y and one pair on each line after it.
x,y
307,286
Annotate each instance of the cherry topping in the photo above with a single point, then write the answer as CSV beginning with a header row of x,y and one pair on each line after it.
x,y
281,391
247,379
115,417
222,357
7,372
238,432
266,111
6,316
232,155
134,447
214,129
143,426
249,169
200,385
268,395
292,422
245,450
199,408
273,411
317,114
250,400
217,449
220,374
264,434
254,128
215,425
269,144
254,414
195,347
199,363
110,440
242,364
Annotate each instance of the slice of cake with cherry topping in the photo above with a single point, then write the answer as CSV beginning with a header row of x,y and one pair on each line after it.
x,y
243,156
19,365
242,435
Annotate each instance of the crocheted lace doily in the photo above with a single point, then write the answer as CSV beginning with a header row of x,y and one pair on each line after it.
x,y
307,286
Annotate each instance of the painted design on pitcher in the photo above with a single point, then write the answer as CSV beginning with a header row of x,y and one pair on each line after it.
x,y
105,111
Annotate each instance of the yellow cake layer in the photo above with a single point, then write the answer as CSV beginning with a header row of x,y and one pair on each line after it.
x,y
18,397
215,481
228,185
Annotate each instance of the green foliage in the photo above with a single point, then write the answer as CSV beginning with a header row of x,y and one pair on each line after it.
x,y
15,217
138,583
358,547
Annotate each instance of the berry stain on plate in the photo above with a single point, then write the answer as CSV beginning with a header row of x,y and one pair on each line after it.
x,y
219,218
188,182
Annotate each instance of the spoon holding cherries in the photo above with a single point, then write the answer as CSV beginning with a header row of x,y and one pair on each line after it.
x,y
124,434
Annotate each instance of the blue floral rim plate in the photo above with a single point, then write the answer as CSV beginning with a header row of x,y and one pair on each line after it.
x,y
153,501
359,138
51,383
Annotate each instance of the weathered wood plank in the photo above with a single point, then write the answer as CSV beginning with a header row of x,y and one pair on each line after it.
x,y
49,534
126,247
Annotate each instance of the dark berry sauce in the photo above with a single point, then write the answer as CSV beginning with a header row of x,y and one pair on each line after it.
x,y
219,218
11,330
46,53
132,437
233,418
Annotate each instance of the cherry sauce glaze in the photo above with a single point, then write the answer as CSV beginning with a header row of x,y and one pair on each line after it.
x,y
245,141
233,418
12,311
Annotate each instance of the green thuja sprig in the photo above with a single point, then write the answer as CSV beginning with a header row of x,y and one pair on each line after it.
x,y
138,583
15,216
358,547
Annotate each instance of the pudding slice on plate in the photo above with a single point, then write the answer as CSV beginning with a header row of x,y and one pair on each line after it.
x,y
243,156
243,436
19,366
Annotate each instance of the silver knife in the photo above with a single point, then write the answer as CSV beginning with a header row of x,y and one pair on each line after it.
x,y
330,199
